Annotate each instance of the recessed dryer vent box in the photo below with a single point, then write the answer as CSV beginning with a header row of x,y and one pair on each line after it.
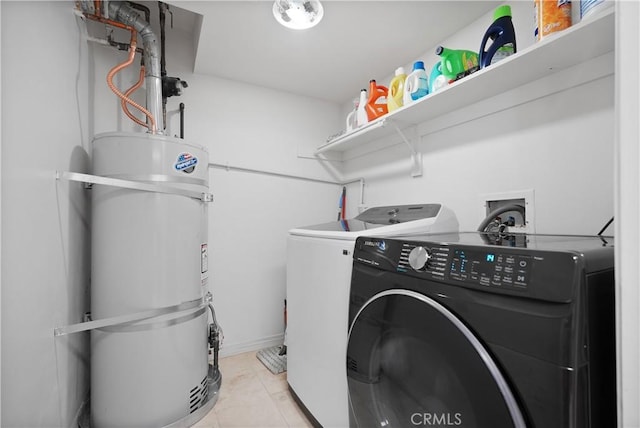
x,y
493,201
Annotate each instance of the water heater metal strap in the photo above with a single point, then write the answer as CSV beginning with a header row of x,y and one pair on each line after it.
x,y
134,185
129,318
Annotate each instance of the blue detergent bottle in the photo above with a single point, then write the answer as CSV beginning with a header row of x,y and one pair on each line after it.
x,y
417,84
503,37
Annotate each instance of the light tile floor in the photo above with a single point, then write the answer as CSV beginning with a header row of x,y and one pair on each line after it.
x,y
252,396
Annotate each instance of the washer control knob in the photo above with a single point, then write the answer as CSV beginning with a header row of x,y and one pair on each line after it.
x,y
418,258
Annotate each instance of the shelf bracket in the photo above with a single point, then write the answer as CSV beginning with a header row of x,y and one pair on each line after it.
x,y
416,157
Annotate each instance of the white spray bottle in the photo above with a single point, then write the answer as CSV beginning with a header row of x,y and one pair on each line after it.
x,y
361,115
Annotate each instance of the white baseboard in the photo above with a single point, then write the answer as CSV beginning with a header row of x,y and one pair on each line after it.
x,y
229,349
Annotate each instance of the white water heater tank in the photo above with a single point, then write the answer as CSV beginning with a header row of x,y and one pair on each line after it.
x,y
149,257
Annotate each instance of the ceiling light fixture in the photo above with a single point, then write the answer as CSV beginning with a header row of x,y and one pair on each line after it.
x,y
298,14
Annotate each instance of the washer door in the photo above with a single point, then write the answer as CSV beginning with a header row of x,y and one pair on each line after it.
x,y
411,362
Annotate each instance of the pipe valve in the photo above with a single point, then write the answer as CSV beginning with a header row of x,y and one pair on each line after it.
x,y
172,86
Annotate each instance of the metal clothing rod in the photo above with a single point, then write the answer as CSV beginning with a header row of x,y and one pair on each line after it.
x,y
277,174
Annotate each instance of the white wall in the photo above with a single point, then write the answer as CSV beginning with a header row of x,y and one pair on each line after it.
x,y
627,224
45,241
561,146
558,144
248,230
0,221
256,128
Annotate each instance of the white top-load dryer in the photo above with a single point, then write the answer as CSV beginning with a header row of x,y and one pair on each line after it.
x,y
319,261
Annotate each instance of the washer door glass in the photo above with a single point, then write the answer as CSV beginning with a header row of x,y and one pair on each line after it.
x,y
411,362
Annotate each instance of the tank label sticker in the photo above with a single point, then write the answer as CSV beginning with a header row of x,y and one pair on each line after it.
x,y
204,264
186,163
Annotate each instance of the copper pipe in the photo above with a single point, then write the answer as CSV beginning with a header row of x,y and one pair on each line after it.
x,y
132,53
153,83
109,22
128,94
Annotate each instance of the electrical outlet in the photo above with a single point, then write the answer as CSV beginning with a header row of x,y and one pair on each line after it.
x,y
494,201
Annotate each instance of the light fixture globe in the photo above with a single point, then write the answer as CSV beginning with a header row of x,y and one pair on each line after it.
x,y
298,14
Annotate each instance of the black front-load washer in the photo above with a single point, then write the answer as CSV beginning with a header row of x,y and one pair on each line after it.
x,y
480,330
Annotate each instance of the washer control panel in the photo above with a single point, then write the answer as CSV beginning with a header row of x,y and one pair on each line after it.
x,y
467,264
419,258
428,259
550,274
490,268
